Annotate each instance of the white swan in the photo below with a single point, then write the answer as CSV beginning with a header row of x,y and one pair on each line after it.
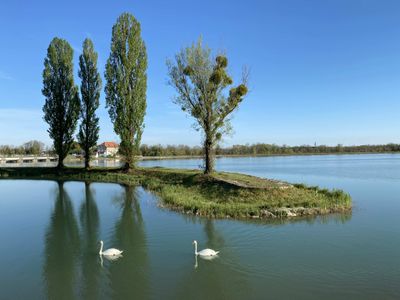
x,y
204,252
109,252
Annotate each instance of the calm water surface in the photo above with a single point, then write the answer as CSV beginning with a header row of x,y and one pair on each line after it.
x,y
49,233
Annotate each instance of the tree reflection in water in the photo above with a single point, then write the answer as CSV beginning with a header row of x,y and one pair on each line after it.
x,y
89,219
72,265
129,275
62,246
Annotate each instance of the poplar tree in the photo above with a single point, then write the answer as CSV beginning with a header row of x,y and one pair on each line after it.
x,y
126,85
61,108
90,93
200,82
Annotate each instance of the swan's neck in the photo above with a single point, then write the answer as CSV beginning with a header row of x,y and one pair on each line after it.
x,y
195,248
101,248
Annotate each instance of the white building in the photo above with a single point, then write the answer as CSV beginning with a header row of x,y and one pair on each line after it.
x,y
107,149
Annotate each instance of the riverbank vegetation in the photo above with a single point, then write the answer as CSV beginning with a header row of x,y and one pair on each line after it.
x,y
217,195
264,149
38,148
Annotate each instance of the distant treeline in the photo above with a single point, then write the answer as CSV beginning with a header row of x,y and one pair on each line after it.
x,y
265,149
37,148
29,148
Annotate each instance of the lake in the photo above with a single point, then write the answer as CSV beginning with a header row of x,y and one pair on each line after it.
x,y
50,233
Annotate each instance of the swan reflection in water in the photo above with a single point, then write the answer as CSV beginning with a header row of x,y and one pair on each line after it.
x,y
209,258
110,258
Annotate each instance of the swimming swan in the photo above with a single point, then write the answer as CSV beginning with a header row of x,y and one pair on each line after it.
x,y
109,252
204,252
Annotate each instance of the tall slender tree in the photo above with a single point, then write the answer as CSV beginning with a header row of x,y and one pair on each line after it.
x,y
126,85
61,108
200,82
90,93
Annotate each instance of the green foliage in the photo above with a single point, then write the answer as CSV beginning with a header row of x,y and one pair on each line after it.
x,y
29,148
61,108
75,148
33,147
90,93
200,82
170,150
126,85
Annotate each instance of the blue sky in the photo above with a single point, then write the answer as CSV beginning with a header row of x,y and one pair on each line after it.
x,y
321,71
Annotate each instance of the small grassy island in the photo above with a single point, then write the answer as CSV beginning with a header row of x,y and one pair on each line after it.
x,y
220,195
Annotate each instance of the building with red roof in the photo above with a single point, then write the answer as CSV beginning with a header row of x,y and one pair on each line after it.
x,y
107,149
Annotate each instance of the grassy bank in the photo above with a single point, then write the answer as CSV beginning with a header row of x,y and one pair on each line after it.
x,y
221,195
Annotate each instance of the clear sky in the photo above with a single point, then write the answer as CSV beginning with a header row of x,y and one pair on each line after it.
x,y
321,71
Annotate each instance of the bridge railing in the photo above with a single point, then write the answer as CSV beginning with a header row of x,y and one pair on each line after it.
x,y
18,159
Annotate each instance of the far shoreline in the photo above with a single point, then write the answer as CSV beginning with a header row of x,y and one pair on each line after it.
x,y
172,157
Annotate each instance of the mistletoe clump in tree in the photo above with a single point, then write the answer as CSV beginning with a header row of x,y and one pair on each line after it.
x,y
61,108
126,85
200,82
90,93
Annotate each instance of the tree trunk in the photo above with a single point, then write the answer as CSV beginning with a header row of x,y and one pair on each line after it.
x,y
87,159
60,164
209,156
130,160
127,166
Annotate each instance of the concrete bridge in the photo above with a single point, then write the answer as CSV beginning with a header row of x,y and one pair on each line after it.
x,y
27,159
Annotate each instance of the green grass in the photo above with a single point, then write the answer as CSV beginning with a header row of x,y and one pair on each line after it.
x,y
220,195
